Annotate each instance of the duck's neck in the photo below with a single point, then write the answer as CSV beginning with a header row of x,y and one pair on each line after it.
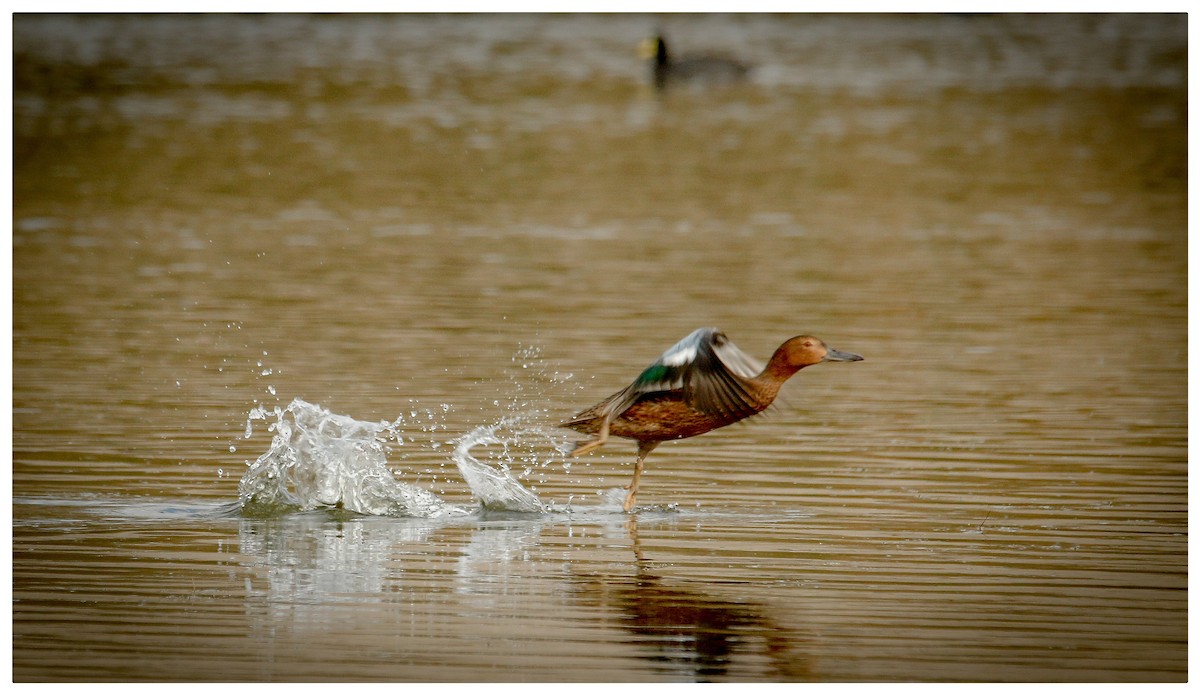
x,y
769,381
777,371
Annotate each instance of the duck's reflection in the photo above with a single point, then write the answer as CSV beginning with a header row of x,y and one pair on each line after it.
x,y
688,632
311,572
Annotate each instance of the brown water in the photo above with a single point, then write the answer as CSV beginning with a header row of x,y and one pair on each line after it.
x,y
446,221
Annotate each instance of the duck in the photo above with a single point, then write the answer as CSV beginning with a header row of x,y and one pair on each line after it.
x,y
666,70
699,384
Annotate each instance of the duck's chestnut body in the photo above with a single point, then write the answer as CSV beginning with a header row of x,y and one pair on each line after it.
x,y
701,383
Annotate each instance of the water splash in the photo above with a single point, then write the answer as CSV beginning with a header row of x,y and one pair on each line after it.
x,y
318,459
519,443
495,486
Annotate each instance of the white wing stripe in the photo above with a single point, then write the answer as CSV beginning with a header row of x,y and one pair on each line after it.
x,y
679,355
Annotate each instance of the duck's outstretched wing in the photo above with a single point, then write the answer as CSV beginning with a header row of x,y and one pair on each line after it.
x,y
715,381
706,367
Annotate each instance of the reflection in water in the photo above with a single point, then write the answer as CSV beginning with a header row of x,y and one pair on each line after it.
x,y
689,633
301,568
312,559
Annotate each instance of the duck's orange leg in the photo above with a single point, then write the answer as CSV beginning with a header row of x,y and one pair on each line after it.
x,y
644,448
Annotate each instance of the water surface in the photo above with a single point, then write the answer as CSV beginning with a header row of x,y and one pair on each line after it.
x,y
445,223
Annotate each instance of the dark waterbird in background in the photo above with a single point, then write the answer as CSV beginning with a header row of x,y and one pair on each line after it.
x,y
708,69
701,383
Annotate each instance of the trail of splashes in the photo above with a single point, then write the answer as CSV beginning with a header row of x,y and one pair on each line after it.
x,y
517,438
320,459
516,445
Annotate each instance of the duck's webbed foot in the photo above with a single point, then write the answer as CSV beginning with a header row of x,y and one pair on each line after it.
x,y
587,446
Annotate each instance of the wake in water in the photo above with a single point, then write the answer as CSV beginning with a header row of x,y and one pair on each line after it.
x,y
321,460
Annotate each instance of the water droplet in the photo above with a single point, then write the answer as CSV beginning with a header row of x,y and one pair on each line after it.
x,y
232,449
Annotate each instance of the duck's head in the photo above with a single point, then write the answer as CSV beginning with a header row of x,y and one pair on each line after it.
x,y
653,47
805,350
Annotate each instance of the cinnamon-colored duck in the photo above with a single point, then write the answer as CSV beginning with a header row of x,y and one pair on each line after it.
x,y
701,383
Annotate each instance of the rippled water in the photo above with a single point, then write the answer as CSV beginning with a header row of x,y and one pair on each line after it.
x,y
445,234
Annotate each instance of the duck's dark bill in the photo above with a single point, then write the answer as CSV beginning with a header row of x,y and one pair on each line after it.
x,y
839,356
